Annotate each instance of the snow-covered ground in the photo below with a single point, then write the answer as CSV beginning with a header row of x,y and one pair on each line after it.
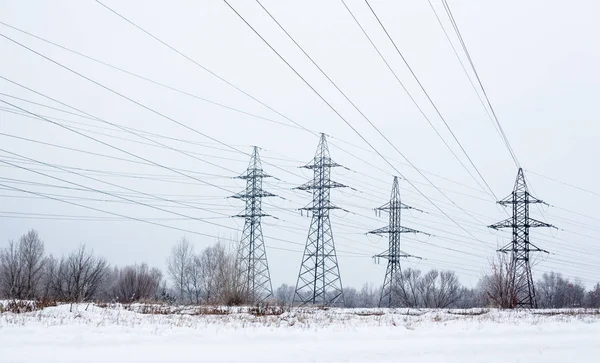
x,y
88,333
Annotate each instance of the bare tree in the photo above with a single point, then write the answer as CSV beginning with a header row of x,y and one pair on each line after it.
x,y
555,291
285,294
11,271
434,289
448,290
79,276
351,299
49,277
178,265
408,288
109,285
368,297
470,298
21,267
137,282
497,285
592,298
195,280
220,278
31,249
426,287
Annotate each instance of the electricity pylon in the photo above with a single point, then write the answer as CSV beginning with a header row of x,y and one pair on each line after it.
x,y
319,277
521,278
394,207
251,262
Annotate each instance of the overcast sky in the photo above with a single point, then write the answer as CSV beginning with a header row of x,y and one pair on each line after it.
x,y
538,61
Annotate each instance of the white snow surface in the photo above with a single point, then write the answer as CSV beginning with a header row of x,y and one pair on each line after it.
x,y
115,333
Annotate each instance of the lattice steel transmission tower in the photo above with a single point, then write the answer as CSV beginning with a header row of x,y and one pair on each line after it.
x,y
319,277
394,253
522,286
251,256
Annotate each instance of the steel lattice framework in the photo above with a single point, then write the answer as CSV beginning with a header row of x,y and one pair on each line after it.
x,y
251,256
522,286
319,277
394,208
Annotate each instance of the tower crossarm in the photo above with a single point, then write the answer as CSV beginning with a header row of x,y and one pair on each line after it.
x,y
327,163
253,194
507,223
253,173
329,184
389,255
530,248
328,206
389,207
522,197
529,223
391,230
535,223
251,215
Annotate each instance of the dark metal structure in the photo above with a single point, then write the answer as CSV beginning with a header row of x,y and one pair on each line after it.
x,y
251,256
394,229
319,277
521,278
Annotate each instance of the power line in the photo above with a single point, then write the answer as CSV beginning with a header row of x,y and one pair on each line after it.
x,y
146,78
115,174
401,162
195,143
110,194
356,131
67,217
128,130
150,221
112,146
56,62
58,45
426,94
103,211
344,94
99,119
462,42
231,84
154,144
564,183
213,208
94,153
120,94
128,199
191,152
336,86
294,124
465,71
201,66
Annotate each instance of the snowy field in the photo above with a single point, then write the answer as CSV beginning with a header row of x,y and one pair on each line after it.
x,y
89,333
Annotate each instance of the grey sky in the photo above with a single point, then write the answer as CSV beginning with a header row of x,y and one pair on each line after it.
x,y
537,59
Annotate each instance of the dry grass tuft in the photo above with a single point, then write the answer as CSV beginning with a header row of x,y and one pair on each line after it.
x,y
25,306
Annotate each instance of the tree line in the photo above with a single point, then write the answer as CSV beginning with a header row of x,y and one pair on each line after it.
x,y
209,276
